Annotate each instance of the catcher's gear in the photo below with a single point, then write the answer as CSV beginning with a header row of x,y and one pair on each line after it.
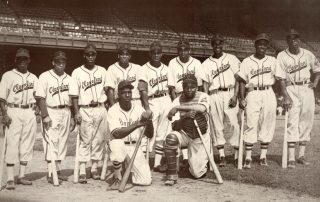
x,y
190,128
170,150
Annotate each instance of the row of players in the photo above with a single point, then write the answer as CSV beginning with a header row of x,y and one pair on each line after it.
x,y
222,77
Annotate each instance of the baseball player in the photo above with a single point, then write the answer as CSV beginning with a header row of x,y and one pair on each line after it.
x,y
295,64
17,89
153,86
257,75
88,93
122,70
53,100
190,104
223,90
125,120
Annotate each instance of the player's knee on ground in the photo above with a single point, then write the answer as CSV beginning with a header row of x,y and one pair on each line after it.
x,y
118,151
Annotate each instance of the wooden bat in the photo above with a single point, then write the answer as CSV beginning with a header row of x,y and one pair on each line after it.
x,y
211,160
212,129
240,157
148,150
105,165
285,142
76,160
129,168
2,156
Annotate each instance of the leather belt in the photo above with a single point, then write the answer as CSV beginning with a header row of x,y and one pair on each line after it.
x,y
219,89
28,106
298,83
92,105
132,142
260,88
158,95
59,107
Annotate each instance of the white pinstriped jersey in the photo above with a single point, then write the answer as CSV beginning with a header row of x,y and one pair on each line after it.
x,y
258,73
116,74
221,71
119,118
298,66
18,88
178,70
88,85
54,88
157,78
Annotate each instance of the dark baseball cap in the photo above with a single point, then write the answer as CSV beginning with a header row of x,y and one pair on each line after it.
x,y
183,43
293,33
123,47
156,45
22,52
190,78
59,55
123,84
90,48
217,37
262,36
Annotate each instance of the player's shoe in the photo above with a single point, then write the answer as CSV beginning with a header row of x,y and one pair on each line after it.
x,y
50,179
235,163
303,161
160,168
170,182
24,181
62,177
115,185
223,161
95,175
291,164
10,185
263,162
247,164
83,179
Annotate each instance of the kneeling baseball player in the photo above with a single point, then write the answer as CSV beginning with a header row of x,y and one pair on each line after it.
x,y
191,105
126,120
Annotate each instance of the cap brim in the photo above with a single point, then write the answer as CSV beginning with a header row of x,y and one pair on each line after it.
x,y
22,55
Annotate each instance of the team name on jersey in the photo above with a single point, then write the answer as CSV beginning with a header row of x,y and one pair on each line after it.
x,y
21,87
127,123
55,90
295,68
153,82
181,76
88,84
220,70
263,70
129,78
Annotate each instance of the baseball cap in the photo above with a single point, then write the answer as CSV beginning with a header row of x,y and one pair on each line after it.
x,y
123,47
190,78
183,43
21,52
59,55
262,36
123,84
293,32
90,48
217,37
156,45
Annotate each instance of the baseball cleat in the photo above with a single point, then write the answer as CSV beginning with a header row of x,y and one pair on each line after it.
x,y
170,182
115,185
10,185
223,161
235,163
62,177
83,179
50,180
160,168
263,162
95,175
24,181
291,164
303,161
247,164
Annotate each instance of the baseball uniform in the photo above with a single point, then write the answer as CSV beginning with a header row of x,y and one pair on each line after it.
x,y
122,149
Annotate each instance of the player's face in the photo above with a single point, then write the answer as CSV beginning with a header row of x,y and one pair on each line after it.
x,y
22,63
293,42
261,47
90,58
217,46
59,65
184,53
156,55
125,95
189,90
124,57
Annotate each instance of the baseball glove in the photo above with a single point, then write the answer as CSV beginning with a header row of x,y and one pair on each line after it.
x,y
190,128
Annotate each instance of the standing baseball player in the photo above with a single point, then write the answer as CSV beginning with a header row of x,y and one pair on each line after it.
x,y
257,75
223,90
153,86
17,89
88,93
190,105
122,70
295,64
125,120
53,100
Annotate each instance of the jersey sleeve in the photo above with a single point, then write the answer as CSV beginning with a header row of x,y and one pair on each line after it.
x,y
74,89
113,120
110,78
142,75
171,77
242,71
4,87
204,100
200,74
280,68
36,85
206,71
314,63
41,90
175,103
235,65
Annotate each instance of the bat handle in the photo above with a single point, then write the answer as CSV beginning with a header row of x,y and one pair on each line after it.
x,y
240,157
285,142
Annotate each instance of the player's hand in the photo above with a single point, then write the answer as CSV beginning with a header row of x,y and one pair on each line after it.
x,y
6,120
145,116
172,112
233,102
311,85
72,125
78,118
47,122
38,118
287,102
190,114
242,103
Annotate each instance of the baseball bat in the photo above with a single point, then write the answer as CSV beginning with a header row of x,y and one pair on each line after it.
x,y
129,168
211,160
148,150
76,160
104,166
240,157
212,132
285,142
2,156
